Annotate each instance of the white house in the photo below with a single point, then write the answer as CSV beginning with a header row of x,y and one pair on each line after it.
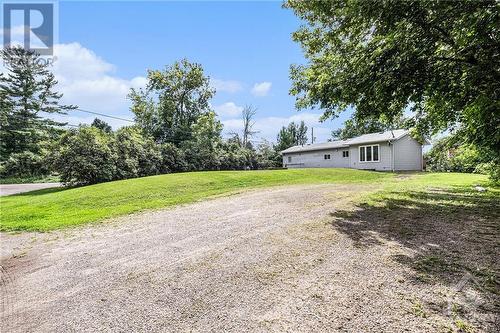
x,y
385,151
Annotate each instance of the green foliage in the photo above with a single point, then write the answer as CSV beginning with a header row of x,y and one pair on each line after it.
x,y
234,156
26,90
437,58
102,125
358,126
203,150
136,155
268,156
452,155
292,135
173,159
172,102
25,164
85,156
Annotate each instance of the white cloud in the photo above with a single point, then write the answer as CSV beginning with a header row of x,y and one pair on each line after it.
x,y
88,81
229,86
261,89
229,109
268,127
16,34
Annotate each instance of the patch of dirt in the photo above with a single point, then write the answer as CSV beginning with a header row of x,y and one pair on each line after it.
x,y
269,260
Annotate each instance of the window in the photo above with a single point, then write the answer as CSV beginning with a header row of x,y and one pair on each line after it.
x,y
369,153
345,153
289,159
327,156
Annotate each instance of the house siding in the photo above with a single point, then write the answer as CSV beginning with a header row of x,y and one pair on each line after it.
x,y
385,159
402,154
315,159
407,154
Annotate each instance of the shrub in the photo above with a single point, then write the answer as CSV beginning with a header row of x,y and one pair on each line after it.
x,y
172,159
137,156
24,165
84,156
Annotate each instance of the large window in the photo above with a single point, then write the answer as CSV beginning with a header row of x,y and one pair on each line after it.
x,y
369,153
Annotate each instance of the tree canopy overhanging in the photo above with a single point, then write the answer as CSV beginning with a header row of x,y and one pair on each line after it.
x,y
439,59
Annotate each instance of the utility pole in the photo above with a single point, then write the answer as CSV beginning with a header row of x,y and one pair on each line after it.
x,y
312,135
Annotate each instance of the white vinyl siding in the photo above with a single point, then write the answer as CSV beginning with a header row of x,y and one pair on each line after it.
x,y
317,159
384,158
407,154
402,154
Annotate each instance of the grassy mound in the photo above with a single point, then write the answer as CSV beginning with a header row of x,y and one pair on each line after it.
x,y
58,207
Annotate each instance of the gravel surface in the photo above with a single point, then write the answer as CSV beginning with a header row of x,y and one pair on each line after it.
x,y
8,189
261,261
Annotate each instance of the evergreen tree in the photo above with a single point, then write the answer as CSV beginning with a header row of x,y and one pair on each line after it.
x,y
292,135
26,91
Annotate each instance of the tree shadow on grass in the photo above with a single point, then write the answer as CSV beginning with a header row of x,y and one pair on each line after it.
x,y
40,192
453,232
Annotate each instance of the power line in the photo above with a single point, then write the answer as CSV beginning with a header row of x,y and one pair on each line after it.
x,y
105,115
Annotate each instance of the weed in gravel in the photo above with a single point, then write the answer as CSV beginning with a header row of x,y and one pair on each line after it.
x,y
464,326
418,309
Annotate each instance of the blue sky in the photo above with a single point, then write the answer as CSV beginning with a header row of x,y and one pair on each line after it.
x,y
245,47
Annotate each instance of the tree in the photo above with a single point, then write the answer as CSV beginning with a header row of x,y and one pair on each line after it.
x,y
173,101
203,150
136,155
355,127
267,156
247,115
85,156
292,135
102,125
439,59
26,91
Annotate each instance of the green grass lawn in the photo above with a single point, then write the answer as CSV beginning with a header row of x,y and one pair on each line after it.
x,y
50,209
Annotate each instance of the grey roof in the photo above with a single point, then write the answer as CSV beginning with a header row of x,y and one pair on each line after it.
x,y
378,137
318,146
366,138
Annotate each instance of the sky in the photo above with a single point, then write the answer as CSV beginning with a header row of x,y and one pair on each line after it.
x,y
105,48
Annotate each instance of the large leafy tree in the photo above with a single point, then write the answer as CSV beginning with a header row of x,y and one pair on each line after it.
x,y
172,102
441,59
27,95
203,150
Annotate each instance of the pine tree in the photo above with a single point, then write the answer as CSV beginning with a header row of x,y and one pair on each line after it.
x,y
26,93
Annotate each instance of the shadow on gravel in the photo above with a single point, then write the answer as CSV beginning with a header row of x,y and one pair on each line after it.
x,y
455,232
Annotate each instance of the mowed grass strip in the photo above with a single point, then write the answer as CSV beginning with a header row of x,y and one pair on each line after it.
x,y
51,209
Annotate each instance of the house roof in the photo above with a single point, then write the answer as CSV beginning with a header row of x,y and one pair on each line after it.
x,y
378,137
318,146
366,138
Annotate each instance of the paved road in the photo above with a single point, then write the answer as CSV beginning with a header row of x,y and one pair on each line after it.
x,y
261,261
8,189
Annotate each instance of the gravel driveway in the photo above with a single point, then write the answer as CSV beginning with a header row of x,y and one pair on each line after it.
x,y
8,189
261,261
